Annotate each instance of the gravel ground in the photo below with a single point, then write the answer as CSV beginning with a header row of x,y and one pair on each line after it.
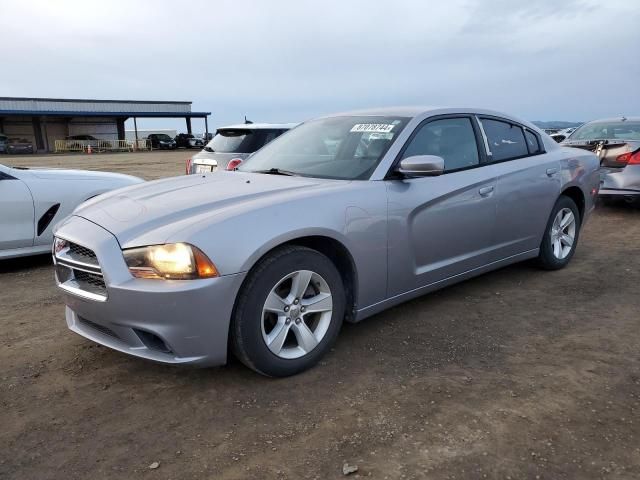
x,y
516,374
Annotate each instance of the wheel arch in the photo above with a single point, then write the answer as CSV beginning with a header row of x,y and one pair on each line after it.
x,y
334,250
577,195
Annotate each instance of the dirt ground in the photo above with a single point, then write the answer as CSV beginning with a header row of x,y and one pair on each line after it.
x,y
147,165
520,374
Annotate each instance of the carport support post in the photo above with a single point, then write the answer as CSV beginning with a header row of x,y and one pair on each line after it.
x,y
206,130
135,127
188,119
37,133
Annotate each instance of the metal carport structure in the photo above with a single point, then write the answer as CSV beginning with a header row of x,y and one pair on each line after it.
x,y
42,120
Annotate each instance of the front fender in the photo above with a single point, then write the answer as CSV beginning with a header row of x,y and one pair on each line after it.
x,y
356,218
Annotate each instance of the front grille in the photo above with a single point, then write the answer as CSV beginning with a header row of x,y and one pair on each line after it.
x,y
82,254
78,270
90,281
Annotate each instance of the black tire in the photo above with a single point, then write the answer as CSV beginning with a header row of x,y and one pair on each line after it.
x,y
246,338
546,258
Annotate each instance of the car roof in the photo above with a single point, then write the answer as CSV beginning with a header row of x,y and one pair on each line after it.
x,y
402,111
616,119
414,111
427,111
260,126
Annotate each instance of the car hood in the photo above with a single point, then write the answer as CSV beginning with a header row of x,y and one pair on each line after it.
x,y
65,174
152,212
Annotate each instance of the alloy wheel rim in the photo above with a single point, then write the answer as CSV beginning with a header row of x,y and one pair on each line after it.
x,y
296,314
563,233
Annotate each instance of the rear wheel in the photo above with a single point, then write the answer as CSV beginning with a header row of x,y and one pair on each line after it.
x,y
289,312
561,236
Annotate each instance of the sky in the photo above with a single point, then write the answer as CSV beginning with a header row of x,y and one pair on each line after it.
x,y
288,60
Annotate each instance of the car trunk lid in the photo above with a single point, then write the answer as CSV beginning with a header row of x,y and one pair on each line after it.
x,y
610,152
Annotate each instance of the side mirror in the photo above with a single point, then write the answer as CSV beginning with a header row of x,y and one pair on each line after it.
x,y
421,166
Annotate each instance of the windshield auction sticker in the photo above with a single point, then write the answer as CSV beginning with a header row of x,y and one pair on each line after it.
x,y
372,127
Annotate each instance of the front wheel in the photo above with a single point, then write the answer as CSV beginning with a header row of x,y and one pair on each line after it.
x,y
561,235
288,313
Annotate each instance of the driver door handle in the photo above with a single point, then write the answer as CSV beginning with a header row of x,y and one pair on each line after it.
x,y
551,171
485,191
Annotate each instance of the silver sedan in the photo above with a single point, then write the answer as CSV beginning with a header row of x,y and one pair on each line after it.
x,y
616,142
337,219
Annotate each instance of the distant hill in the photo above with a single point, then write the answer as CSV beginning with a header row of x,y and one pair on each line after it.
x,y
556,124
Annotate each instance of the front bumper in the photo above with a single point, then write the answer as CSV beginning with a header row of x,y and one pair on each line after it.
x,y
175,322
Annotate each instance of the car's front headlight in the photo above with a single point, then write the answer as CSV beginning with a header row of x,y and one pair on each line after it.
x,y
173,261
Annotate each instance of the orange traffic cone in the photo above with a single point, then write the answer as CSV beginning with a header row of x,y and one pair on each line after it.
x,y
89,150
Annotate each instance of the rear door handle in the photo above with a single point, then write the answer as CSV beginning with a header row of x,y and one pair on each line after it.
x,y
485,191
551,171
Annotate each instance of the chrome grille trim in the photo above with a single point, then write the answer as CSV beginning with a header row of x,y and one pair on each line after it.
x,y
78,271
83,267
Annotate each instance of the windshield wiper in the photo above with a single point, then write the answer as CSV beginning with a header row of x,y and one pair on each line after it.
x,y
276,171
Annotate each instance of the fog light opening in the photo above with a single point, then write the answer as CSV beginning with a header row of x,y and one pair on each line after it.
x,y
152,342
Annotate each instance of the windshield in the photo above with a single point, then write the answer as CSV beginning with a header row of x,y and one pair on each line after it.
x,y
347,148
18,140
621,130
164,137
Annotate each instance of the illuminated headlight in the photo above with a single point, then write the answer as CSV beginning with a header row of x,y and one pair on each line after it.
x,y
174,261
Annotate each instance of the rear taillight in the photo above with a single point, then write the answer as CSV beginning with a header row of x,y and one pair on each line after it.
x,y
188,166
629,158
233,164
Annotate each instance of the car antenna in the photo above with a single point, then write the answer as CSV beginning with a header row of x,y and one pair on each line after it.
x,y
247,121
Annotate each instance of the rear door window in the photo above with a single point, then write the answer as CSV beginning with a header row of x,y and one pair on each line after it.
x,y
506,140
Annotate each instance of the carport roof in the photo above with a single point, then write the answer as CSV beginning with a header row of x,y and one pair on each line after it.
x,y
70,107
65,113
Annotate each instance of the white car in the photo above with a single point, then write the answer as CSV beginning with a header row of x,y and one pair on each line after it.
x,y
33,200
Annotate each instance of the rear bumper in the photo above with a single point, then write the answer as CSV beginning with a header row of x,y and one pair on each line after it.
x,y
620,181
174,322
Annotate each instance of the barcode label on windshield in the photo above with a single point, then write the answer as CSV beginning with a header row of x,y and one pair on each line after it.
x,y
372,127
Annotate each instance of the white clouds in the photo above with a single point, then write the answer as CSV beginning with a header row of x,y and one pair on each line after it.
x,y
285,60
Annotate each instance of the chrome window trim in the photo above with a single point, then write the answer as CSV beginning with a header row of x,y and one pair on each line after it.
x,y
484,137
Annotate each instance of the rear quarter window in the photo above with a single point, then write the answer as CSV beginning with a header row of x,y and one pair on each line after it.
x,y
533,143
